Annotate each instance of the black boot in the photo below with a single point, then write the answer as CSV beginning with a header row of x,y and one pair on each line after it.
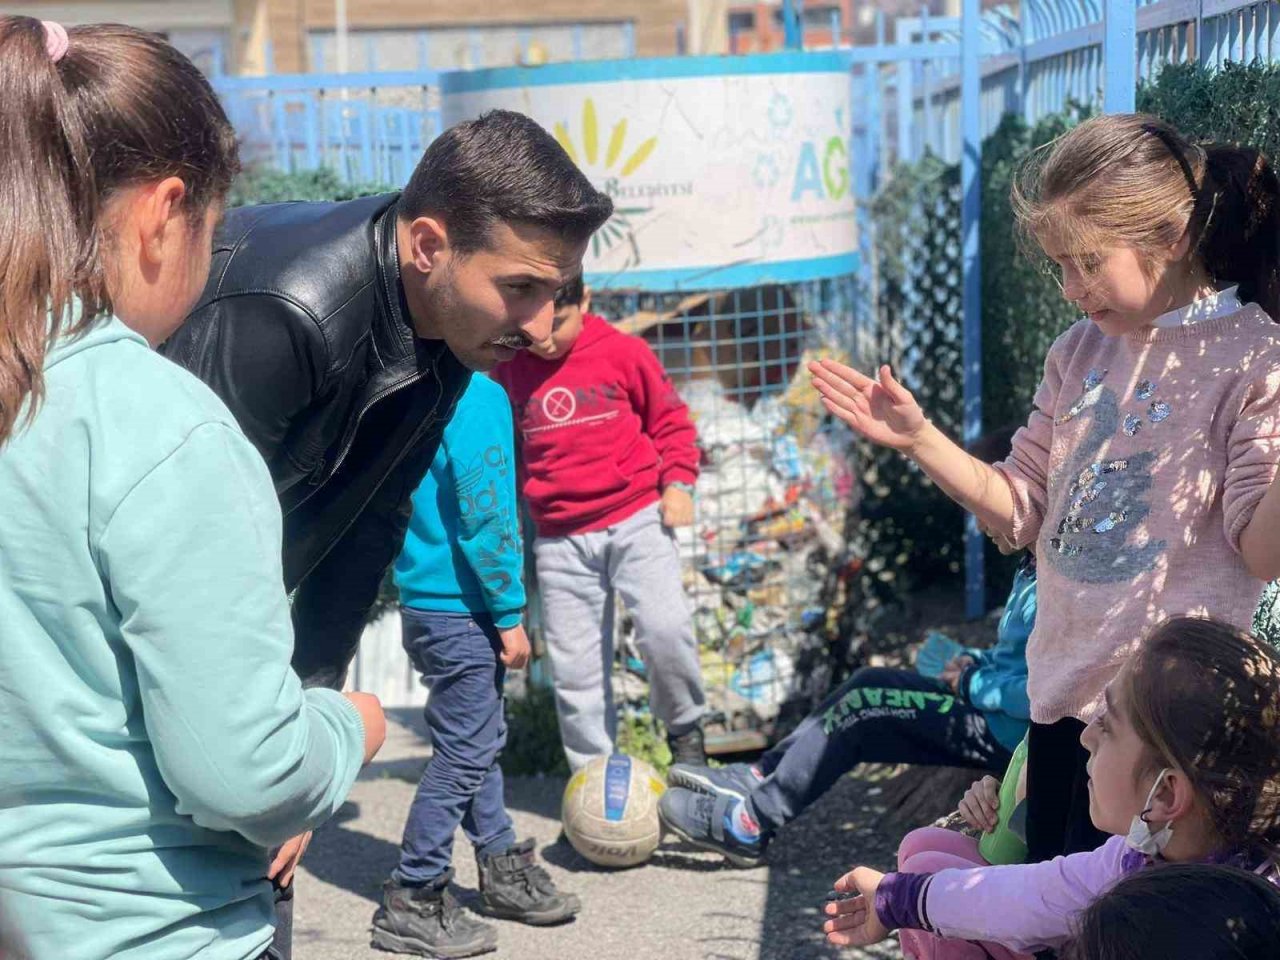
x,y
429,922
687,747
514,887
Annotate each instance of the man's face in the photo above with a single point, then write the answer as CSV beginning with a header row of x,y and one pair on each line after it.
x,y
490,304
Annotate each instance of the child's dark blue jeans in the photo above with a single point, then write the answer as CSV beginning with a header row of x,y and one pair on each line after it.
x,y
458,657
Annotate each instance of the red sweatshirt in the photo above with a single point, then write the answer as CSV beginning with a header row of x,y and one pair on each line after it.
x,y
602,430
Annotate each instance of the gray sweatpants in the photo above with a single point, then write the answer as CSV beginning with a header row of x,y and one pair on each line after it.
x,y
577,577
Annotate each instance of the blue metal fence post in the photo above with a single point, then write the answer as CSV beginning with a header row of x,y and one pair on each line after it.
x,y
1119,51
792,28
905,93
1023,80
877,75
926,92
970,223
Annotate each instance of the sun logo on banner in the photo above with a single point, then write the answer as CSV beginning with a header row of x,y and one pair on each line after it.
x,y
619,227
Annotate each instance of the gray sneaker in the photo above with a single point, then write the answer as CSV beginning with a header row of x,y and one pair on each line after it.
x,y
735,779
703,820
427,921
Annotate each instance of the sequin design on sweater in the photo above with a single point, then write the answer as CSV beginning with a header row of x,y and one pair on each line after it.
x,y
1106,497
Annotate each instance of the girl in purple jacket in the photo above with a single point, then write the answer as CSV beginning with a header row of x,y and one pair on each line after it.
x,y
1184,767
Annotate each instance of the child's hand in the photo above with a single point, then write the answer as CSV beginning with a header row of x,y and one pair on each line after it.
x,y
285,864
980,805
677,507
854,922
954,670
515,647
883,411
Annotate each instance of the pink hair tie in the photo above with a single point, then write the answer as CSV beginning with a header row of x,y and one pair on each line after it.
x,y
56,41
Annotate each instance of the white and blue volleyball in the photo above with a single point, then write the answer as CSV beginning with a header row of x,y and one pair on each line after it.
x,y
610,811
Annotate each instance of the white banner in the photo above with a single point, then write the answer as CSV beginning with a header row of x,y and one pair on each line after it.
x,y
724,171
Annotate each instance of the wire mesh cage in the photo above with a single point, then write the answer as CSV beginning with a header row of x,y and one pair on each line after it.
x,y
767,562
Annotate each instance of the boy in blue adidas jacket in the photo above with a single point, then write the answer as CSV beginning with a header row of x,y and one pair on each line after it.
x,y
462,606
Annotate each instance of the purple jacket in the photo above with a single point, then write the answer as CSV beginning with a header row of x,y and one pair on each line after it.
x,y
1026,907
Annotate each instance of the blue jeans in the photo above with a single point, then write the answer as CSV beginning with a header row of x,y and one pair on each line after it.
x,y
457,655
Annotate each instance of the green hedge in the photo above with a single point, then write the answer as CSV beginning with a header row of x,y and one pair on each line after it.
x,y
258,185
913,532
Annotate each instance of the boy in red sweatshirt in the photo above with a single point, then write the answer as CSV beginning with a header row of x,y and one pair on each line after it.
x,y
609,458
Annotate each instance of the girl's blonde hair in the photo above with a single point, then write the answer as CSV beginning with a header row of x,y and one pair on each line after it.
x,y
1132,180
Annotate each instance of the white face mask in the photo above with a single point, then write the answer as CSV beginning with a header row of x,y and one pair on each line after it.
x,y
1140,836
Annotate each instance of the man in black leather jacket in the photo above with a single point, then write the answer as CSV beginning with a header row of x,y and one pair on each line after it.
x,y
342,334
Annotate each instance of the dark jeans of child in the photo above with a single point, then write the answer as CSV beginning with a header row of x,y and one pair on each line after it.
x,y
878,715
1058,792
458,657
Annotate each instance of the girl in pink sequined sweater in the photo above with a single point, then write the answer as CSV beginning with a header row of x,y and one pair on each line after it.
x,y
1144,473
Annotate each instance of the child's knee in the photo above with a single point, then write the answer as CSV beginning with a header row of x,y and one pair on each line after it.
x,y
930,849
924,839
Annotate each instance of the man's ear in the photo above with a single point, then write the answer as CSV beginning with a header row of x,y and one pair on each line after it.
x,y
428,243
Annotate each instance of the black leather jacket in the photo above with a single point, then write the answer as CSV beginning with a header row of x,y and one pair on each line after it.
x,y
304,333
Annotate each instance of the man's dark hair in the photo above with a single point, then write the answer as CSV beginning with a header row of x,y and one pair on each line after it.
x,y
502,168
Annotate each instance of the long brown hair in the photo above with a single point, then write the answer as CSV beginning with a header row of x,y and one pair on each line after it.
x,y
121,107
1133,180
1205,698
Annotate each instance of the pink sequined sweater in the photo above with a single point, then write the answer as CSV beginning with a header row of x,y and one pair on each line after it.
x,y
1141,464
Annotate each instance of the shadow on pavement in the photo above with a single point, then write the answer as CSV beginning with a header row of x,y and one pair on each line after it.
x,y
353,860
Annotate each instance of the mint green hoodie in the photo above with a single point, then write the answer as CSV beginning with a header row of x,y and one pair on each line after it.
x,y
155,741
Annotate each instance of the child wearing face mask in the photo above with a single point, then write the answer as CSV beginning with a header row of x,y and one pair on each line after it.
x,y
1144,472
1184,767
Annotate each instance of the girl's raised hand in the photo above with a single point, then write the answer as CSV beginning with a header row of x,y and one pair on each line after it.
x,y
854,922
883,410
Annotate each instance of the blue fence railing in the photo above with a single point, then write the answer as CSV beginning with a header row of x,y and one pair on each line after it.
x,y
1033,61
369,128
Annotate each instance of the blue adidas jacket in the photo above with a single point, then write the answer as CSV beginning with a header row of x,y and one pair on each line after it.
x,y
462,552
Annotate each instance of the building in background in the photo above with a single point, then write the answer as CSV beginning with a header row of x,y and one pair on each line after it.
x,y
202,29
299,36
755,26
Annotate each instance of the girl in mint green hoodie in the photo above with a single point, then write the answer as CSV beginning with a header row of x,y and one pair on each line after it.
x,y
155,742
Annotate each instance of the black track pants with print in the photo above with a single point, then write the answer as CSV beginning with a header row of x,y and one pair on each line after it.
x,y
878,715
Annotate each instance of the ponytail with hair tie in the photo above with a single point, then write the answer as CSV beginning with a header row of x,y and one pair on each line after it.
x,y
1240,241
56,41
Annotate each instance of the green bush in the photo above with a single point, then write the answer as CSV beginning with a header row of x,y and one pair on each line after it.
x,y
639,737
533,736
1239,103
260,185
